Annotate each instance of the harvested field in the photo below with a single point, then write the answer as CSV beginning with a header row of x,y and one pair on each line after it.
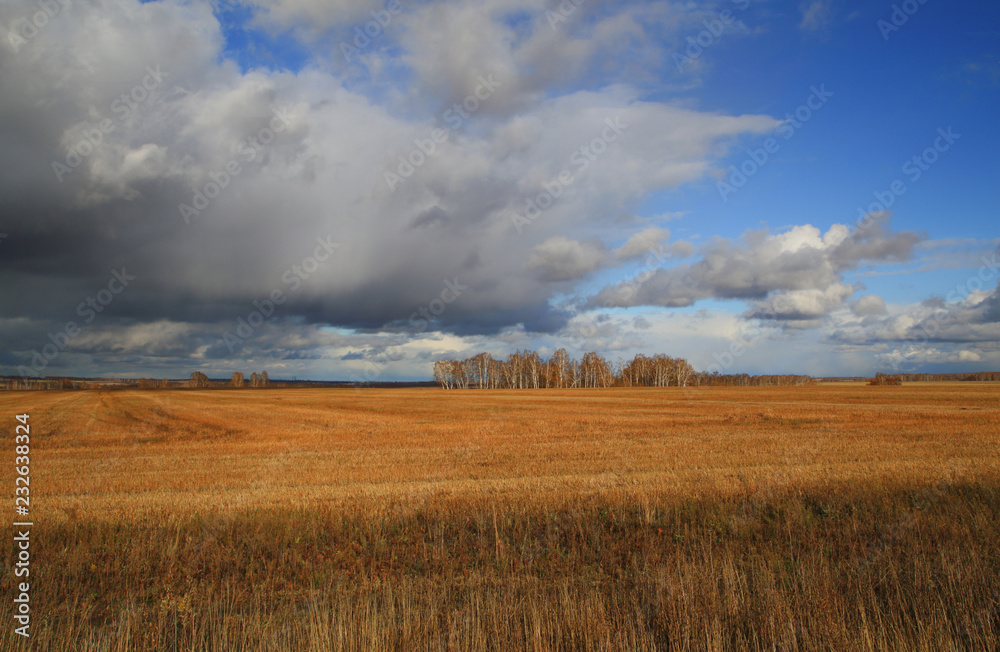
x,y
836,516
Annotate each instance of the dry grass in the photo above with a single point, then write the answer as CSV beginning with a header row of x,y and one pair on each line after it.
x,y
839,517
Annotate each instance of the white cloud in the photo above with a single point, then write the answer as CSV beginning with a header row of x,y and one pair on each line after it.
x,y
913,357
641,243
793,275
815,15
869,304
322,175
806,304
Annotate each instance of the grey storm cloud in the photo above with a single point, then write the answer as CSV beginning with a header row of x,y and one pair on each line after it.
x,y
135,145
563,259
560,259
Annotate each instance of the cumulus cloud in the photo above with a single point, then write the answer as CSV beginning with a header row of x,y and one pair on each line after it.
x,y
561,259
144,110
974,318
642,243
798,305
212,185
869,304
792,275
914,357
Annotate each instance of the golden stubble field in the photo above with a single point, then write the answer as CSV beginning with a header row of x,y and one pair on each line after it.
x,y
836,516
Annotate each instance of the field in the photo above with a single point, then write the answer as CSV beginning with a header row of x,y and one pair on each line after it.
x,y
836,516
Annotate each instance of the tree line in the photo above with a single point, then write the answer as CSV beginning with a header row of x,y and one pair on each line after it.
x,y
197,380
257,380
885,379
520,370
979,376
527,370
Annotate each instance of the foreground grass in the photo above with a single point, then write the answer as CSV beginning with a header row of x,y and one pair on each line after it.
x,y
717,521
837,568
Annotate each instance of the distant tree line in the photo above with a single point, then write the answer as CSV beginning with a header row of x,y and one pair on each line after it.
x,y
22,383
196,380
520,370
978,376
527,370
39,383
257,380
152,383
898,379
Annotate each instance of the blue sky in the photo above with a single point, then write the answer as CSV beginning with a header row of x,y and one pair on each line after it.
x,y
638,252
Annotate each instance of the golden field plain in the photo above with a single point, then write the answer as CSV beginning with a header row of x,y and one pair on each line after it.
x,y
827,517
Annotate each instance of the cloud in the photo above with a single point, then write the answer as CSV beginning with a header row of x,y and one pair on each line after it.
x,y
801,305
815,15
869,304
315,16
961,328
916,357
974,318
274,161
792,275
562,259
641,243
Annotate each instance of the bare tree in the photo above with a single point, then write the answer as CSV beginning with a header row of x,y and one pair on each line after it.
x,y
595,371
496,369
442,375
885,379
237,379
558,369
526,369
532,369
480,370
515,370
682,372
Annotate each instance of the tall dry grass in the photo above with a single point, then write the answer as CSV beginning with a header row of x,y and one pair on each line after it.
x,y
835,517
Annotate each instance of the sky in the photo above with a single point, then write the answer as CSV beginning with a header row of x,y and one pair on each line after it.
x,y
353,189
